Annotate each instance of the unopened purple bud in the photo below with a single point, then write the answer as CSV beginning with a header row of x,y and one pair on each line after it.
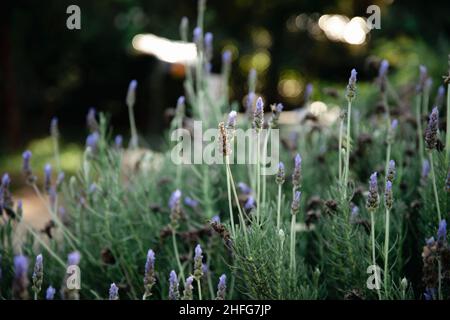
x,y
425,168
430,241
226,57
295,206
54,132
231,124
26,156
92,140
373,198
118,141
296,175
384,66
20,266
73,258
174,199
351,87
190,202
394,124
113,292
131,93
91,120
198,252
432,129
197,35
258,115
244,188
391,171
280,177
47,176
250,203
442,231
50,293
222,287
215,219
208,45
149,276
174,293
6,180
308,91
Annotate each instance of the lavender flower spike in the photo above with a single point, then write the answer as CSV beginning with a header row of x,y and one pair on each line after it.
x,y
226,57
188,289
308,91
295,207
131,93
38,274
296,175
351,87
391,171
73,258
118,141
174,293
20,282
276,112
54,132
250,203
231,123
384,66
258,115
198,262
373,198
47,176
244,188
280,177
26,167
222,287
442,231
50,293
174,198
388,197
113,292
432,130
425,168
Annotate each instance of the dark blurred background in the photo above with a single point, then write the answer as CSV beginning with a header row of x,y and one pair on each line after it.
x,y
47,70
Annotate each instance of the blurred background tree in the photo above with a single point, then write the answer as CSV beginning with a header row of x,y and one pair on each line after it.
x,y
48,70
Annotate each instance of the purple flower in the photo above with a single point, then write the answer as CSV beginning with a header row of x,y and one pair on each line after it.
x,y
149,276
432,129
208,45
91,120
372,199
439,100
92,140
113,292
430,241
308,91
222,287
54,132
198,262
250,203
423,75
174,199
354,213
425,168
20,266
50,294
174,293
394,124
26,167
351,87
118,141
384,66
215,219
296,175
131,93
47,176
244,188
226,57
295,206
197,35
188,288
190,202
38,274
388,198
429,293
6,180
276,112
391,171
258,115
231,123
73,258
442,231
60,178
280,177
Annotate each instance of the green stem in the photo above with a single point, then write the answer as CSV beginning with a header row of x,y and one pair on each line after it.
x,y
436,197
341,132
177,256
386,254
266,142
230,205
279,208
447,143
199,290
258,179
374,260
440,280
134,136
419,127
388,158
292,255
347,151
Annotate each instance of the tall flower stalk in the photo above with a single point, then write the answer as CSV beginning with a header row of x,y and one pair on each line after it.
x,y
295,207
351,93
131,100
388,201
258,121
198,268
431,137
280,178
175,215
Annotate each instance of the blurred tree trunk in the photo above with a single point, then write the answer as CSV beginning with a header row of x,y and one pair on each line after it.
x,y
11,113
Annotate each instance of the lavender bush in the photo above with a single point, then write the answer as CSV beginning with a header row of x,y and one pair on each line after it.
x,y
371,191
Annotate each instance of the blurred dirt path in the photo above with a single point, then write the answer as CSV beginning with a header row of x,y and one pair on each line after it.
x,y
34,211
